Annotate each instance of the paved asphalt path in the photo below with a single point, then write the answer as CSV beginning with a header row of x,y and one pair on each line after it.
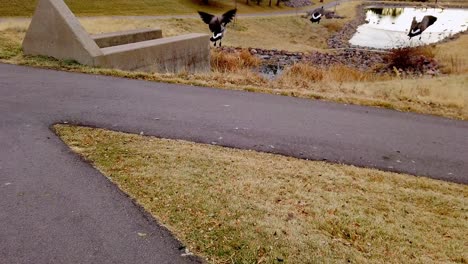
x,y
55,208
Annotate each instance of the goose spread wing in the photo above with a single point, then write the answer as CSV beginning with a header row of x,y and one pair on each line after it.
x,y
206,17
428,21
228,16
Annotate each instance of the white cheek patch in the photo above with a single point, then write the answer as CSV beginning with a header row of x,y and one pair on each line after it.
x,y
314,16
415,31
217,35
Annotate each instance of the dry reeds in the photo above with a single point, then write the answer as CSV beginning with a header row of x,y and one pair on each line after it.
x,y
333,26
303,75
451,64
231,62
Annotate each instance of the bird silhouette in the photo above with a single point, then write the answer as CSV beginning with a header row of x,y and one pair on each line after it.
x,y
317,15
418,27
217,24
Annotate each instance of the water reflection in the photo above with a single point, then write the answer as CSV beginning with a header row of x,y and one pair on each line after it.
x,y
387,28
387,11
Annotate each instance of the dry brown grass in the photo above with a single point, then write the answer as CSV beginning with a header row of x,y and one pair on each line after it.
x,y
296,33
302,75
342,73
333,26
237,206
231,62
452,56
446,96
137,7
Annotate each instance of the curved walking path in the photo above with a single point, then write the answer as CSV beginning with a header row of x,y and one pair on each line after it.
x,y
55,208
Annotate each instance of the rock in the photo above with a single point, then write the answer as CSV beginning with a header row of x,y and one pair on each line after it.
x,y
273,61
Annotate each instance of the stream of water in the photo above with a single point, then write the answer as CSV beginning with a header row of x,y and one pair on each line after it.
x,y
387,28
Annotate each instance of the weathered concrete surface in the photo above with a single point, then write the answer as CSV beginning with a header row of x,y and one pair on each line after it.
x,y
125,37
54,31
173,54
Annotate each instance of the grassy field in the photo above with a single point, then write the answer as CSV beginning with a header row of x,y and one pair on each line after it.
x,y
139,7
297,33
236,206
159,7
454,59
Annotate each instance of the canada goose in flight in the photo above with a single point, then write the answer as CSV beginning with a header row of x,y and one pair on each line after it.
x,y
418,27
317,15
217,24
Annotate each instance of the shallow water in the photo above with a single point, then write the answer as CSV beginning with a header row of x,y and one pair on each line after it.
x,y
388,28
270,71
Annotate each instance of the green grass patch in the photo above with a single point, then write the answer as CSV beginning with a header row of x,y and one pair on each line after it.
x,y
237,206
9,47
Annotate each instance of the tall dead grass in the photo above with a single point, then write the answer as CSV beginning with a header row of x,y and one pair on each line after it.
x,y
333,26
451,64
233,62
452,58
303,75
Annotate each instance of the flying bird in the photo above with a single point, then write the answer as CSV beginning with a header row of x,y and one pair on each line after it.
x,y
217,24
418,27
317,15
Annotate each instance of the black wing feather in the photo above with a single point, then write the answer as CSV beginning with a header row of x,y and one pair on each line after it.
x,y
428,21
228,16
206,17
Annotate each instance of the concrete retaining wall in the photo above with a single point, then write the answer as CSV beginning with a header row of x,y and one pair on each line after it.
x,y
125,37
173,54
54,31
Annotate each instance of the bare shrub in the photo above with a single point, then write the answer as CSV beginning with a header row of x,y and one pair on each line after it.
x,y
411,58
